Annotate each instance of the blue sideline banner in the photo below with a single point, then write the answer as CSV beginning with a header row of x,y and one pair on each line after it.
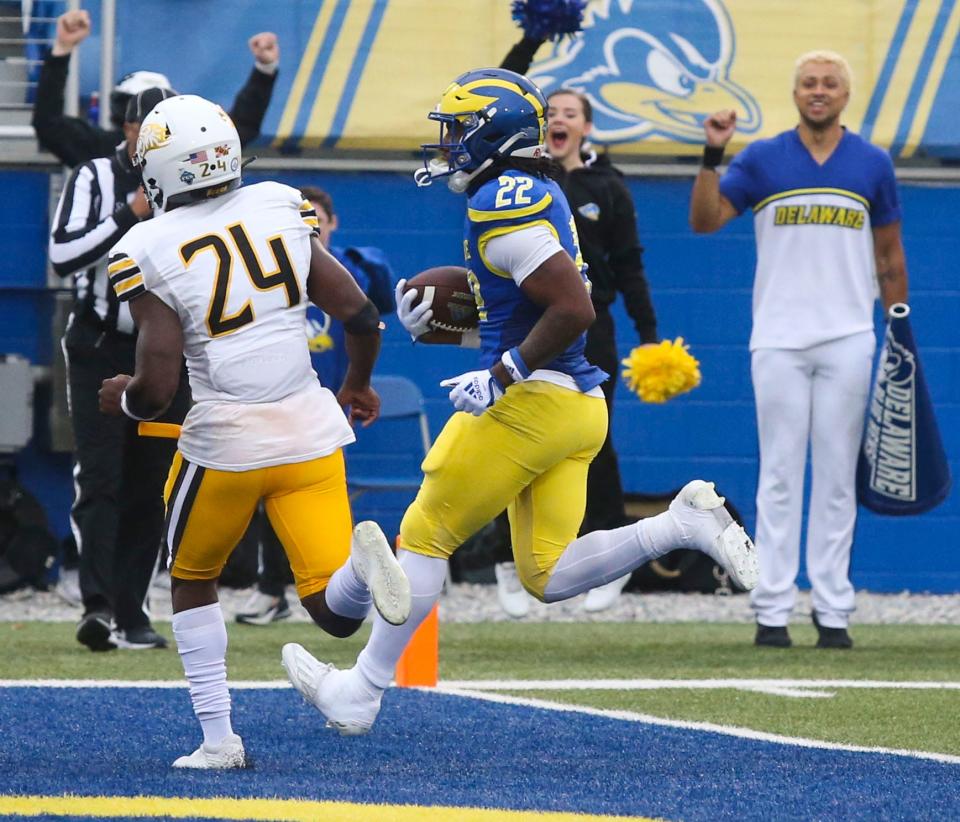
x,y
902,468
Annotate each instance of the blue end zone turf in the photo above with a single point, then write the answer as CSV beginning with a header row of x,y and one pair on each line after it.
x,y
433,749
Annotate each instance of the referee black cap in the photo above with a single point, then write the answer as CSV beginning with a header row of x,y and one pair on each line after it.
x,y
142,102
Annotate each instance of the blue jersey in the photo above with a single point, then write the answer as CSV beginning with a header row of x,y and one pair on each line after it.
x,y
815,277
510,202
325,335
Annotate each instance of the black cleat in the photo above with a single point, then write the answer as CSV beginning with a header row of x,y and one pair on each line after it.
x,y
831,637
139,639
94,631
772,636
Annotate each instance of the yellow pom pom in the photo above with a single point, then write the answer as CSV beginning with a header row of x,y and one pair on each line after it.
x,y
657,373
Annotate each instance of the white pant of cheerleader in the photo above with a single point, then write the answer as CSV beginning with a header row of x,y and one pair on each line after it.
x,y
814,395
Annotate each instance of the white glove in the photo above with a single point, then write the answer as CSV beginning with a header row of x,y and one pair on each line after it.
x,y
416,319
474,392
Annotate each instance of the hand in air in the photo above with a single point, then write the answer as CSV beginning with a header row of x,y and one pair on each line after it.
x,y
719,127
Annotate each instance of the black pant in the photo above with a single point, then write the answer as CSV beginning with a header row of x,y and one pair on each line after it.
x,y
605,506
119,476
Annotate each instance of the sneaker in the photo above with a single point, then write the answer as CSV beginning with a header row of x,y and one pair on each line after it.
x,y
604,596
139,639
377,567
228,754
68,586
772,636
699,512
349,709
831,637
95,632
513,597
262,609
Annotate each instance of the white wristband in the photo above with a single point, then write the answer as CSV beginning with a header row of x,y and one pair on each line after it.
x,y
515,372
126,410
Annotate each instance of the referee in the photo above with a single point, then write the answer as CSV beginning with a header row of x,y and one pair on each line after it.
x,y
117,514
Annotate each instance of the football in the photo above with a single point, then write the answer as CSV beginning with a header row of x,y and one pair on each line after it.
x,y
454,308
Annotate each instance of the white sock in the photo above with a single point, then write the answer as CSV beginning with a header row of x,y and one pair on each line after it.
x,y
603,556
201,637
347,595
378,660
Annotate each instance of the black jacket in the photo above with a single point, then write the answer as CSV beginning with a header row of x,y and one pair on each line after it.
x,y
92,216
74,140
606,223
607,226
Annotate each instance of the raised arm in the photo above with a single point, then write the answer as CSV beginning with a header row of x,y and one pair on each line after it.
x,y
251,103
709,209
72,140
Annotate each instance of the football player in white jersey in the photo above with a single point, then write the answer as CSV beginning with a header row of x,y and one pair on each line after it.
x,y
222,274
827,221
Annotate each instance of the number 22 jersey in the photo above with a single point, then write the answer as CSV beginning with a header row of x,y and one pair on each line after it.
x,y
234,268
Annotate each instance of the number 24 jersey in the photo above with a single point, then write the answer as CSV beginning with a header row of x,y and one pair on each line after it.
x,y
234,268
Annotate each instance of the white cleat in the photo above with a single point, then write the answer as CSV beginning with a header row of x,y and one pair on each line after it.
x,y
706,525
376,565
228,754
513,597
605,596
349,708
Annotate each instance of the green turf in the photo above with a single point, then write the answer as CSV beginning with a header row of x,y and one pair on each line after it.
x,y
919,720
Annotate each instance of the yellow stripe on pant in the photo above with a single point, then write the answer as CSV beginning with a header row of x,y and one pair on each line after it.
x,y
529,453
306,502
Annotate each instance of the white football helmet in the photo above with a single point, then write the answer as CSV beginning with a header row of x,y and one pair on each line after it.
x,y
188,149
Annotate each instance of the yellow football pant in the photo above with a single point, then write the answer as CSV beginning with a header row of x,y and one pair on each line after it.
x,y
528,453
306,502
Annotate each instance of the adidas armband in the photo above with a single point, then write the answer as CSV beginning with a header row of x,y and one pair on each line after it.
x,y
516,367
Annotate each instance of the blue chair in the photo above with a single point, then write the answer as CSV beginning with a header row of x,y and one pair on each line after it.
x,y
383,465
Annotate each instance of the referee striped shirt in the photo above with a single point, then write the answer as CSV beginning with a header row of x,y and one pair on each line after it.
x,y
93,214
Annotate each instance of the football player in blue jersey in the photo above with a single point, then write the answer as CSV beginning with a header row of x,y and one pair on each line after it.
x,y
531,418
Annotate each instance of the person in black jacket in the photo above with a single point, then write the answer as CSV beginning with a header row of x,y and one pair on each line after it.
x,y
74,140
607,228
117,514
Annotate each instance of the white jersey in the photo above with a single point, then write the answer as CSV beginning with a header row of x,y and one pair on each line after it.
x,y
816,274
234,268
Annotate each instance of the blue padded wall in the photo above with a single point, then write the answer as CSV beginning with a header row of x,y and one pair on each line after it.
x,y
701,289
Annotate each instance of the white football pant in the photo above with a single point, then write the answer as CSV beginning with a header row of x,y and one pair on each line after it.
x,y
816,395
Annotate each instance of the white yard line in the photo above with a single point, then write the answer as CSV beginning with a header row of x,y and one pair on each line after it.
x,y
705,684
727,730
481,690
765,685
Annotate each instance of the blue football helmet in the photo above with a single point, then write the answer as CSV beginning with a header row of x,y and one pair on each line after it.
x,y
484,115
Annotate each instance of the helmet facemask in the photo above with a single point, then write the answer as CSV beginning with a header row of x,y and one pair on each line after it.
x,y
508,122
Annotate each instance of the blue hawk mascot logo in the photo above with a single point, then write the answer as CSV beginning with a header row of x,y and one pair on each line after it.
x,y
651,68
